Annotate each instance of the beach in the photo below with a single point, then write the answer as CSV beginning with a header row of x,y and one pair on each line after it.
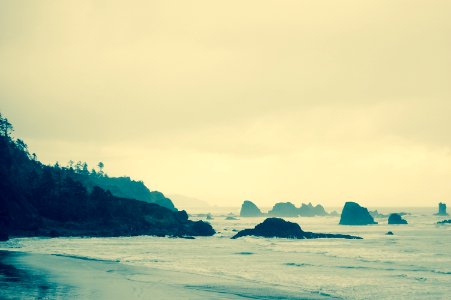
x,y
45,276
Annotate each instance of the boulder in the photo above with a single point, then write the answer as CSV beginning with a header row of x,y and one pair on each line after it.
x,y
354,214
284,209
279,228
396,219
389,233
249,209
441,209
444,222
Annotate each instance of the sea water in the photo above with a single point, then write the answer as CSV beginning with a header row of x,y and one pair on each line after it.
x,y
414,263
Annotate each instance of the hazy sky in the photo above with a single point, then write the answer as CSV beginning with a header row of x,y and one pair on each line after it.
x,y
321,100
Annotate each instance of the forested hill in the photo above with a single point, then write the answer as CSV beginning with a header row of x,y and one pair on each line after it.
x,y
120,186
36,199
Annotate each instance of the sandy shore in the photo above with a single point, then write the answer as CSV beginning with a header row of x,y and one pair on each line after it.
x,y
43,276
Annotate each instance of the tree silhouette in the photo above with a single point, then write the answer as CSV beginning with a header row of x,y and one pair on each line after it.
x,y
5,127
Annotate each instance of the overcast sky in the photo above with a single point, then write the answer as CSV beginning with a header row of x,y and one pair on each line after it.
x,y
323,100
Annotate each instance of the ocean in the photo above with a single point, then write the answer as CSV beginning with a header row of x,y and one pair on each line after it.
x,y
414,263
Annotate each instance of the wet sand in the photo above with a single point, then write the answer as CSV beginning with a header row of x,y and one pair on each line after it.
x,y
44,276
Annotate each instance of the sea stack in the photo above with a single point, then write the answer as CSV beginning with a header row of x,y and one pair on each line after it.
x,y
279,228
354,214
284,209
396,219
442,209
249,209
311,211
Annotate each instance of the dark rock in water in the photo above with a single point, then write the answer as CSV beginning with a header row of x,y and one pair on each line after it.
x,y
396,219
444,222
209,217
249,209
279,228
441,209
201,228
376,214
230,218
389,233
284,209
354,214
308,210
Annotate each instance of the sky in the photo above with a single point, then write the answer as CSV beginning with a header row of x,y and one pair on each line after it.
x,y
319,101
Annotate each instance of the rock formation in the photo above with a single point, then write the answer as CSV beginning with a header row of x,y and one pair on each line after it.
x,y
284,209
249,209
389,233
396,219
279,228
444,222
354,214
441,209
310,211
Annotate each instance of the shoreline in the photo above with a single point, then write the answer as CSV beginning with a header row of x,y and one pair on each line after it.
x,y
30,276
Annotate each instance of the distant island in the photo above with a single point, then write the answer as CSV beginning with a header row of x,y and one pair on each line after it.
x,y
41,200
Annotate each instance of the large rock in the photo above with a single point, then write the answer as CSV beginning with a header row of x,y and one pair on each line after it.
x,y
284,209
396,219
441,209
444,222
276,227
354,214
308,210
249,209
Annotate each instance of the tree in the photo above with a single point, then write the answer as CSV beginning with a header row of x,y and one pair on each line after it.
x,y
5,127
100,165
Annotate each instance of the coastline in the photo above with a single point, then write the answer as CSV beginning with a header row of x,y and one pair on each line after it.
x,y
29,276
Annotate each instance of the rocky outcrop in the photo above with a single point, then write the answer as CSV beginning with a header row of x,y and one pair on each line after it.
x,y
284,209
308,210
389,233
279,228
444,222
354,214
231,218
396,219
441,209
249,209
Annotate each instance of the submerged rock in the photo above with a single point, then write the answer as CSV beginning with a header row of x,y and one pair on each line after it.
x,y
284,209
442,209
389,233
396,219
354,214
230,218
279,228
249,209
444,222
